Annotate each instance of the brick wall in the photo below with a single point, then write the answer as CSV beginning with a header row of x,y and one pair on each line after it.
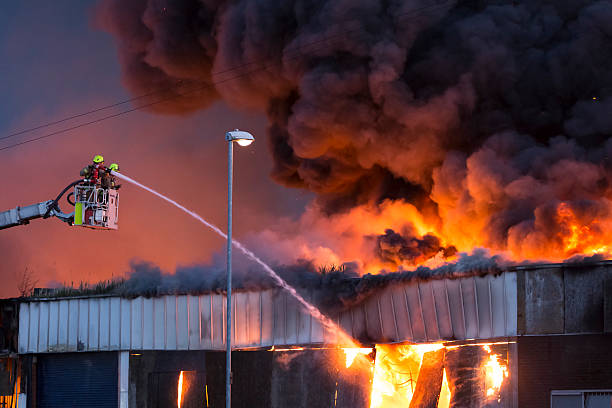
x,y
574,362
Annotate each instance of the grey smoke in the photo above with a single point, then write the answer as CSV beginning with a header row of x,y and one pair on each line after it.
x,y
332,291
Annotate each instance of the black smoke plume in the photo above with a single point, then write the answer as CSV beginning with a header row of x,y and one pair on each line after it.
x,y
487,114
397,249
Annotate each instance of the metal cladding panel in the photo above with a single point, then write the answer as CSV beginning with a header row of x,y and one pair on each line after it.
x,y
316,331
93,335
358,320
402,314
217,307
159,326
62,324
388,317
279,318
428,306
136,330
455,304
240,318
125,306
483,304
193,324
510,294
24,327
73,321
206,323
34,318
182,323
83,325
148,320
304,325
373,318
498,309
254,313
53,324
292,314
115,323
346,322
468,292
466,308
442,308
104,342
416,312
43,327
170,322
267,319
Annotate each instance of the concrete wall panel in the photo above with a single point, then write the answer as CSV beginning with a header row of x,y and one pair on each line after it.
x,y
543,302
584,299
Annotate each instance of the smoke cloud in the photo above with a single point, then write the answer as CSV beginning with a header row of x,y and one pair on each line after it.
x,y
332,291
396,249
491,119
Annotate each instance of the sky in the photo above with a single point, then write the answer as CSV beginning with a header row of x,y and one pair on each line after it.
x,y
55,63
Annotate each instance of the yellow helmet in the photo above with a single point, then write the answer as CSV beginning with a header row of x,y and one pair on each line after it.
x,y
98,159
114,167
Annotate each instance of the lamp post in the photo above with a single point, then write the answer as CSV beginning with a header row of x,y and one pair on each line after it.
x,y
243,139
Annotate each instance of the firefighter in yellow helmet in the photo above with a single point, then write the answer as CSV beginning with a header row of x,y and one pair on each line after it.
x,y
94,171
108,181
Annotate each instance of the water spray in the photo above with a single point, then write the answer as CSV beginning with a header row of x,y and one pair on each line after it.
x,y
329,324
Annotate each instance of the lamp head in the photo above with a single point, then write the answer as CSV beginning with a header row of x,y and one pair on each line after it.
x,y
241,137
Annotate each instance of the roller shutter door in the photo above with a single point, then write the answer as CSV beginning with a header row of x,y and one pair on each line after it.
x,y
77,380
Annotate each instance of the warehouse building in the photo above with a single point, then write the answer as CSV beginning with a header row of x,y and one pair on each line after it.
x,y
548,327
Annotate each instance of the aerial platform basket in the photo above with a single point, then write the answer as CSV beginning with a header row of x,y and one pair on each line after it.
x,y
96,207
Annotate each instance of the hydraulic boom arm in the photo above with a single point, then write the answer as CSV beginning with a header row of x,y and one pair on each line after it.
x,y
23,215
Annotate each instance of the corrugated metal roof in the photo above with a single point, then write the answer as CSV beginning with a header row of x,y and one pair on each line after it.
x,y
449,309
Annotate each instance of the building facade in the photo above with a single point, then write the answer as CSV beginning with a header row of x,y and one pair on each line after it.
x,y
549,326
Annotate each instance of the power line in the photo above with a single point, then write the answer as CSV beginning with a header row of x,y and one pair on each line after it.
x,y
299,49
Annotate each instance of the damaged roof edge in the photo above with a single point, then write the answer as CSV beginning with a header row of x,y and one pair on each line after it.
x,y
367,282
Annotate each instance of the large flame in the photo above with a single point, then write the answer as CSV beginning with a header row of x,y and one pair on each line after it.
x,y
361,235
495,372
586,237
397,368
396,371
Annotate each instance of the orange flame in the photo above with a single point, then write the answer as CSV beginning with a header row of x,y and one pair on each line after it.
x,y
580,237
397,368
179,399
351,353
396,372
495,373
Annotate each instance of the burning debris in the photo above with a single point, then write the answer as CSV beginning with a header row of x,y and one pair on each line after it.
x,y
481,116
434,375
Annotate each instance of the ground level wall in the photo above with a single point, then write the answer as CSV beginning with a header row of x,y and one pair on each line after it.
x,y
565,362
297,379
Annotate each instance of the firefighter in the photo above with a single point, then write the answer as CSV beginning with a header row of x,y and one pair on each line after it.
x,y
108,181
94,171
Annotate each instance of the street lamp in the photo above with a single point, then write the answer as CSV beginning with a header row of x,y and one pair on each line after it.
x,y
243,139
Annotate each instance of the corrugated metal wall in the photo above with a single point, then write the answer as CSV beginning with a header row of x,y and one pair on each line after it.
x,y
449,309
87,380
